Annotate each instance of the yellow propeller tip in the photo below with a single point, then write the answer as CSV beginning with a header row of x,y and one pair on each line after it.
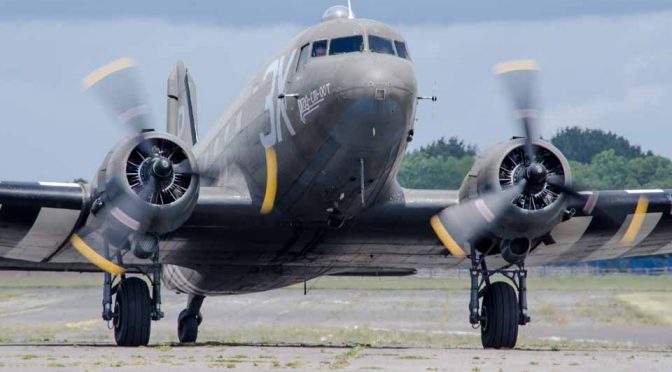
x,y
105,71
94,257
511,66
445,238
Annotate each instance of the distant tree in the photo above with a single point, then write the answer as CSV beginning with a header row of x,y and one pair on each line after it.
x,y
454,147
608,171
420,171
582,145
599,161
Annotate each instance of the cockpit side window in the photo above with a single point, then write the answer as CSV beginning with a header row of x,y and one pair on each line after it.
x,y
401,49
303,57
319,48
381,45
346,45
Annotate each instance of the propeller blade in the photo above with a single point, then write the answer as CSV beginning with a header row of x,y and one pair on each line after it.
x,y
117,85
519,79
464,222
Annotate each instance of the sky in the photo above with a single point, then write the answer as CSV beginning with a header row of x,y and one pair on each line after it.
x,y
605,64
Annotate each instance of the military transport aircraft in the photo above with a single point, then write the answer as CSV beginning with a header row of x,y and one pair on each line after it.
x,y
298,180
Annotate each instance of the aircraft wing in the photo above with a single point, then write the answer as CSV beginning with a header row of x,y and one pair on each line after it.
x,y
37,220
611,224
605,225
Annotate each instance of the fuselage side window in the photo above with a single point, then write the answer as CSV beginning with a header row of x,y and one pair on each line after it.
x,y
401,49
381,45
319,48
303,57
348,44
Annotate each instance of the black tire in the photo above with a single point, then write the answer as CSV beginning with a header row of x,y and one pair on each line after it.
x,y
132,313
187,327
499,326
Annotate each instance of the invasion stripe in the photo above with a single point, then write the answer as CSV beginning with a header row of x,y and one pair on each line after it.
x,y
566,235
656,242
60,184
649,191
591,202
15,224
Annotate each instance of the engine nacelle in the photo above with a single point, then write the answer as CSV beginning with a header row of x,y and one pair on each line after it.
x,y
147,185
535,211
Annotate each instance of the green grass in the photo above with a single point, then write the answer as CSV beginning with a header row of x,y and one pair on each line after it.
x,y
343,360
9,280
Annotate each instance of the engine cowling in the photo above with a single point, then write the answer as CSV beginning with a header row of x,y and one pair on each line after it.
x,y
147,185
538,208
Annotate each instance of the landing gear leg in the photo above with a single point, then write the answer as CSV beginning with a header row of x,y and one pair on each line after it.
x,y
154,274
107,296
189,319
500,312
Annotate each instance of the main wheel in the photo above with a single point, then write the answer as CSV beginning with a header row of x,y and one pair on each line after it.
x,y
187,327
132,313
499,316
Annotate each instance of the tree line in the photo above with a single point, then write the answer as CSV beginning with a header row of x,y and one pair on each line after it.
x,y
599,160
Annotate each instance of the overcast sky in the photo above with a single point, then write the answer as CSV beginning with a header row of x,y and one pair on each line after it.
x,y
606,64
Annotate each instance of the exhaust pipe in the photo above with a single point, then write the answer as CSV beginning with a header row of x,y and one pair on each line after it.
x,y
514,251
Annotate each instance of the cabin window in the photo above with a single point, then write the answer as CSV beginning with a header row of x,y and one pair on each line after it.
x,y
346,45
401,49
303,57
319,48
381,45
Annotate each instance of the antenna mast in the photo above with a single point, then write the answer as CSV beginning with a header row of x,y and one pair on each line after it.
x,y
350,14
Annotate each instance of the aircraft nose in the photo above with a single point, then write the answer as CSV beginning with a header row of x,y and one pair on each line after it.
x,y
378,72
376,101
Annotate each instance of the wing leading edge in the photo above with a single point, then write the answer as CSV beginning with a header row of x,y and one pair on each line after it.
x,y
605,225
39,222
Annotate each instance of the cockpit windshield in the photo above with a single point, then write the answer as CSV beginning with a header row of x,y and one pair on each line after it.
x,y
348,44
401,49
379,44
355,43
319,48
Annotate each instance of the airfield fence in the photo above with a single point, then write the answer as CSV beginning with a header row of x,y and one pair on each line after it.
x,y
545,271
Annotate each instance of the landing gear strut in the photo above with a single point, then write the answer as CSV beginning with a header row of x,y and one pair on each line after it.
x,y
189,320
501,312
134,308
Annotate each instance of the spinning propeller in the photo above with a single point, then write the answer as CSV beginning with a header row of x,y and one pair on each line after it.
x,y
530,177
138,192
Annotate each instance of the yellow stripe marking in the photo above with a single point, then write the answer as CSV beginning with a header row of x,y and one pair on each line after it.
x,y
525,65
95,258
271,181
101,73
637,220
447,240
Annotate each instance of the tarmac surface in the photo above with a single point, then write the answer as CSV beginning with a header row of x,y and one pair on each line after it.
x,y
403,330
246,358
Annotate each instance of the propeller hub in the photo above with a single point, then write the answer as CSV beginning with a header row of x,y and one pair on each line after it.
x,y
536,173
162,168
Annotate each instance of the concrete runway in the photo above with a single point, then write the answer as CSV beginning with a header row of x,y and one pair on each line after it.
x,y
407,330
245,358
